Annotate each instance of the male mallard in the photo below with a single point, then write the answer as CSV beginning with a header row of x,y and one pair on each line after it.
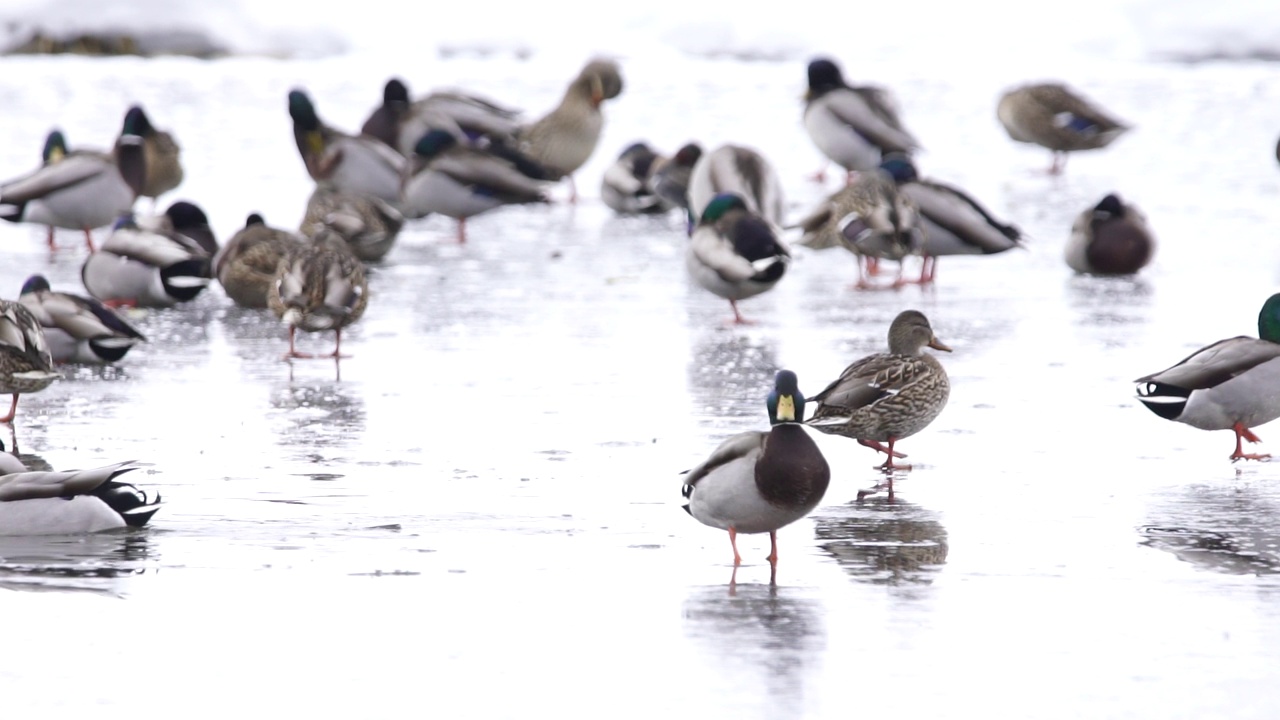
x,y
468,117
70,502
319,286
164,166
25,363
80,190
360,165
1110,238
953,223
368,225
564,139
1054,116
734,253
78,329
246,265
626,184
671,176
888,396
871,218
757,481
852,126
156,267
460,181
1233,384
741,171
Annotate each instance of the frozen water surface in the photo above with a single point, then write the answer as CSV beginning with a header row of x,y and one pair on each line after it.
x,y
478,514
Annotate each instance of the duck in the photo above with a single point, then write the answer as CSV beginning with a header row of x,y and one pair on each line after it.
x,y
1055,116
78,329
461,181
151,264
1110,238
79,190
160,150
565,138
71,502
853,127
626,186
886,397
871,218
734,253
671,176
471,118
319,286
742,171
952,221
246,265
367,224
756,481
26,365
361,165
1233,384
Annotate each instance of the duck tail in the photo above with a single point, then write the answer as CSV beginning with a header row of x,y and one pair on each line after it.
x,y
134,505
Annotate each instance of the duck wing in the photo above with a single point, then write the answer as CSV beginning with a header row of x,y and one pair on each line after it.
x,y
1217,363
738,446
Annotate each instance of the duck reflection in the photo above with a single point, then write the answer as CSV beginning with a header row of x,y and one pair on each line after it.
x,y
316,414
1231,529
92,563
775,636
884,541
727,372
1102,301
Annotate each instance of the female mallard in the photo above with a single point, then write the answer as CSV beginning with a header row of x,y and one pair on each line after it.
x,y
79,190
161,151
734,253
1111,238
70,502
156,267
78,329
886,397
671,177
466,116
757,481
952,222
626,186
246,265
1233,384
564,139
319,286
852,126
361,165
460,181
1054,116
25,363
367,224
741,171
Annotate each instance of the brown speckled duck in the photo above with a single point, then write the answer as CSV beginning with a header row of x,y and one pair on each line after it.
x,y
25,363
368,225
319,286
246,265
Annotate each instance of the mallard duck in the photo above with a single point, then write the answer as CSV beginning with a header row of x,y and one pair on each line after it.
x,y
25,363
564,139
319,286
886,397
741,171
671,176
626,184
757,481
734,253
1233,384
360,165
871,218
460,181
953,223
79,190
78,329
1054,116
246,265
852,126
1110,238
368,225
156,267
71,502
469,117
164,165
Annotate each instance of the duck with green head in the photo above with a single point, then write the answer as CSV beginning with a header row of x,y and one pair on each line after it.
x,y
160,151
756,481
734,253
1233,384
361,165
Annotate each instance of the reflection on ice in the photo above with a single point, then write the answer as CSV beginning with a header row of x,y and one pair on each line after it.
x,y
884,540
1227,529
317,414
81,562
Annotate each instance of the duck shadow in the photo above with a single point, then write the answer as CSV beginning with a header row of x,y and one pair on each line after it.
x,y
1231,529
884,540
86,563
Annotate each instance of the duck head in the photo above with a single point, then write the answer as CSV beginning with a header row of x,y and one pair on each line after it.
x,y
910,332
136,122
1109,207
1269,319
434,143
35,284
785,402
55,147
131,161
395,94
824,76
688,155
187,218
720,205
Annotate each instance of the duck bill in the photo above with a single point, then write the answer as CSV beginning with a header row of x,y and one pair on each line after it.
x,y
786,408
937,344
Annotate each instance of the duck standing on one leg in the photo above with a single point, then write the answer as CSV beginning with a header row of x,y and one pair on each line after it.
x,y
1057,118
734,252
756,481
1233,384
853,126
